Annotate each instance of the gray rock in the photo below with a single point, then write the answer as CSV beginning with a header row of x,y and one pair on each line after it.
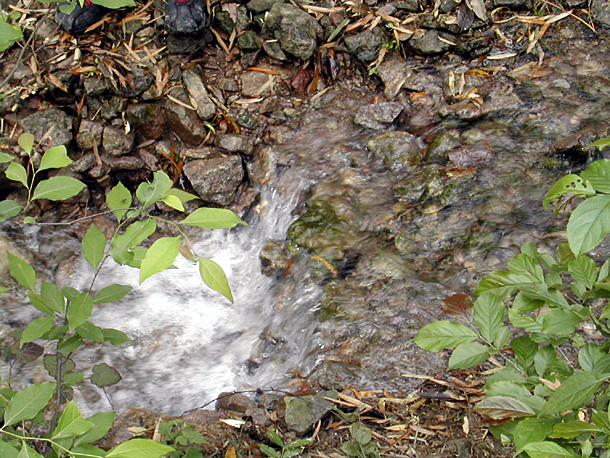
x,y
183,121
365,45
378,116
206,109
249,41
303,412
89,135
274,257
97,86
411,6
429,43
123,162
147,119
116,143
139,82
234,402
393,72
235,143
246,121
397,149
263,169
113,107
440,146
41,122
273,49
447,6
255,84
600,10
217,179
297,31
260,6
513,4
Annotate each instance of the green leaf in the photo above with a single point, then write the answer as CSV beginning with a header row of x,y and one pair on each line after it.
x,y
112,293
73,378
589,224
94,246
29,220
26,450
79,310
547,449
69,345
468,355
571,429
601,144
526,268
139,448
17,172
598,173
115,4
122,245
488,313
560,322
501,283
26,141
58,188
503,408
443,334
102,422
213,276
55,158
50,364
105,375
53,297
90,331
9,35
8,451
575,391
182,195
212,218
569,184
593,359
9,208
274,437
87,451
583,269
36,329
71,423
524,321
530,430
27,403
119,198
160,256
525,349
115,337
149,193
507,388
173,201
22,272
4,158
270,452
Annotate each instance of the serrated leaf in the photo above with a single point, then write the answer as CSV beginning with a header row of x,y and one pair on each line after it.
x,y
560,322
17,172
571,429
36,329
149,193
26,141
94,246
598,174
443,334
136,233
105,375
569,184
593,359
71,422
212,218
9,208
575,391
55,158
160,256
213,276
27,354
27,403
79,310
58,188
547,449
589,224
503,408
112,293
50,364
530,430
488,313
22,272
507,388
173,202
468,355
583,269
458,304
119,198
139,448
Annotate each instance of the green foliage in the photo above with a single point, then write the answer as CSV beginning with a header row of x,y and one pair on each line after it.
x,y
65,322
183,437
362,444
286,449
9,33
547,404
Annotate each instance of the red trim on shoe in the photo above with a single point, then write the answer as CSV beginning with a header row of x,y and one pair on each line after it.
x,y
87,3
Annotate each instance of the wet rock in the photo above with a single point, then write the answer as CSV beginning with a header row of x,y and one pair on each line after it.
x,y
147,119
440,146
274,257
235,143
206,109
249,41
274,49
297,31
116,143
303,412
217,179
336,375
89,135
234,402
41,122
378,116
464,110
113,107
97,86
260,6
138,82
397,149
266,160
429,43
471,156
183,121
575,148
365,45
393,72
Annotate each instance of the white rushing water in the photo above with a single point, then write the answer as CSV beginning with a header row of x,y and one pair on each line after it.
x,y
189,343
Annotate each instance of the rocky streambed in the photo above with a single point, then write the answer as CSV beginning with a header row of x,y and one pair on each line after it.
x,y
418,143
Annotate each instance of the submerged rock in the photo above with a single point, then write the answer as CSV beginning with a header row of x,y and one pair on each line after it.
x,y
397,149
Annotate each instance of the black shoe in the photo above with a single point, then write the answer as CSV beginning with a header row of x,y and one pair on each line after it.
x,y
81,17
185,16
